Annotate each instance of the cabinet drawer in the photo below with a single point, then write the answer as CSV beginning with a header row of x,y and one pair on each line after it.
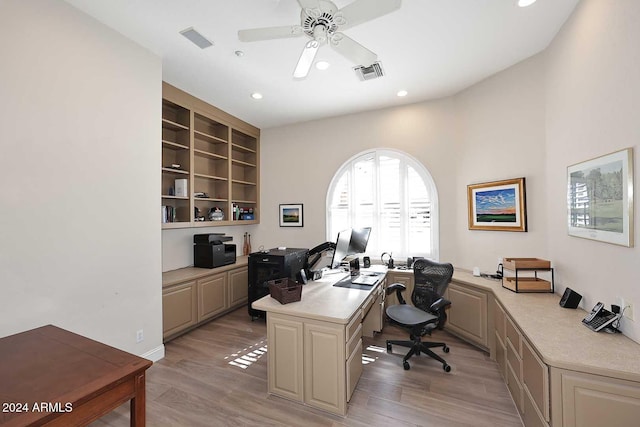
x,y
501,357
514,360
515,388
514,336
500,320
367,304
351,344
353,325
535,379
531,416
354,368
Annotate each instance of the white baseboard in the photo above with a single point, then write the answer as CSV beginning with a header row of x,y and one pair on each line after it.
x,y
155,354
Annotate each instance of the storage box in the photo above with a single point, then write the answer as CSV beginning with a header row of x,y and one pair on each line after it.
x,y
285,290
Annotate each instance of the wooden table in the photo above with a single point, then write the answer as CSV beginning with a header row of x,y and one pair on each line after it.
x,y
50,376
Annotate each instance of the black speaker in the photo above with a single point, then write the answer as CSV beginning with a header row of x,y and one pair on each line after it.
x,y
367,262
570,299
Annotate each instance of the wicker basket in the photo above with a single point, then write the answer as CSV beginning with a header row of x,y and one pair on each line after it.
x,y
285,290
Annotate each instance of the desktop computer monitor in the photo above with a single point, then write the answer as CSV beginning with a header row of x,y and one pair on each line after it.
x,y
342,248
359,240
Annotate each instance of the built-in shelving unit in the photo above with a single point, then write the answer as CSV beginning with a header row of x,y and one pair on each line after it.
x,y
217,154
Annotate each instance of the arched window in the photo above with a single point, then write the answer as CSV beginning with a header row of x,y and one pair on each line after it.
x,y
393,194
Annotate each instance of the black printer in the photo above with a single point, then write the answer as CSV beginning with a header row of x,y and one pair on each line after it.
x,y
210,251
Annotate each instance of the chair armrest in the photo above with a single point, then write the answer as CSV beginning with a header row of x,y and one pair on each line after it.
x,y
439,304
398,288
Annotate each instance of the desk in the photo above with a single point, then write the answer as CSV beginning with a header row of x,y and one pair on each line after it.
x,y
52,377
315,344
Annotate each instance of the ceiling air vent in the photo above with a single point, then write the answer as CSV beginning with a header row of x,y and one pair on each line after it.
x,y
196,38
373,71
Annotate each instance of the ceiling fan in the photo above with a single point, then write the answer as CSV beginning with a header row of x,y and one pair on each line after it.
x,y
322,22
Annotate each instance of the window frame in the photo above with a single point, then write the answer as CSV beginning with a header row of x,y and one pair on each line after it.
x,y
405,160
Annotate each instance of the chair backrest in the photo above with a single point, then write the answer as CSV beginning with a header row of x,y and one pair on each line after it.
x,y
430,282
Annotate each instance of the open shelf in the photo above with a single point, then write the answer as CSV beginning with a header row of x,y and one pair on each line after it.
x,y
218,154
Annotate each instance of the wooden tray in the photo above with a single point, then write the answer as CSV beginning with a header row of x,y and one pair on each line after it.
x,y
513,263
527,284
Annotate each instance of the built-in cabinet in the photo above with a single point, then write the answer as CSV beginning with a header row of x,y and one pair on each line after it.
x,y
319,362
545,394
467,315
210,163
193,296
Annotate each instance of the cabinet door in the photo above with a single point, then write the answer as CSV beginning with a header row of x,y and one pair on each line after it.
x,y
593,400
212,296
324,367
238,286
373,320
404,278
285,356
178,308
468,314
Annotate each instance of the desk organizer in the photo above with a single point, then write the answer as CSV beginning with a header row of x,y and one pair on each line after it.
x,y
518,283
285,290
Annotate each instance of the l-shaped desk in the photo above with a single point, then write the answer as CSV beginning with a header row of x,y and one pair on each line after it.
x,y
315,344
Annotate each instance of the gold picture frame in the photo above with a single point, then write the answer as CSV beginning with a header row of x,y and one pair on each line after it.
x,y
497,205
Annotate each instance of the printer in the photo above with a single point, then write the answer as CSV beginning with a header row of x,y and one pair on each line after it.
x,y
210,251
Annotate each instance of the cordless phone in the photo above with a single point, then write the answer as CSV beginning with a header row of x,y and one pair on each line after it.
x,y
599,318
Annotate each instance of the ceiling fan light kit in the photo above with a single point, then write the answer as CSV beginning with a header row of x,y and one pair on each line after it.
x,y
322,22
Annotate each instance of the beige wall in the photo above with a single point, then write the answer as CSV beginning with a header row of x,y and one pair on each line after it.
x,y
575,101
79,223
299,161
593,93
500,124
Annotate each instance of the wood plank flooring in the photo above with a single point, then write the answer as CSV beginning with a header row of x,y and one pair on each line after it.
x,y
195,385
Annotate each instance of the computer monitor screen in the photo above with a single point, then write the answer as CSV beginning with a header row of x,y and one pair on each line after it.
x,y
358,241
342,248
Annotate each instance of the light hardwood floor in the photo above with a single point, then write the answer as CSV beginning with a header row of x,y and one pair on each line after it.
x,y
195,385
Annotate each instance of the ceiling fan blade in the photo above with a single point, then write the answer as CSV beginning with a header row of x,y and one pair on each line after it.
x,y
365,10
352,50
308,4
306,59
256,34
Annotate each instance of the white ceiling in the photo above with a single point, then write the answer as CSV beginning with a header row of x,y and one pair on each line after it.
x,y
431,48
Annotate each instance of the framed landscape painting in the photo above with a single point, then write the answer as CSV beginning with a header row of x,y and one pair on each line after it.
x,y
600,198
497,205
291,215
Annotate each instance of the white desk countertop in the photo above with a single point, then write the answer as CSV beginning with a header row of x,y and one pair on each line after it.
x,y
321,301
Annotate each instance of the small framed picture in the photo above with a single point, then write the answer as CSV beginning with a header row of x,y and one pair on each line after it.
x,y
291,215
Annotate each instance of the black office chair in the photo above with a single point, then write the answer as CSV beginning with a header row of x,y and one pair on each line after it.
x,y
428,313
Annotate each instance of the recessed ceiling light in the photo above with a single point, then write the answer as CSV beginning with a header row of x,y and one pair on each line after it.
x,y
256,95
525,3
402,93
322,65
239,53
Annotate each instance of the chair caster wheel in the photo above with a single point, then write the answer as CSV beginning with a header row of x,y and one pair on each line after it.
x,y
388,348
446,368
445,349
406,366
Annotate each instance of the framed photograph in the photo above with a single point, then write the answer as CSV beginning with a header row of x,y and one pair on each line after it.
x,y
291,215
600,198
497,205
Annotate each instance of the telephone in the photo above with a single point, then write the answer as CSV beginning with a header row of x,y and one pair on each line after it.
x,y
599,318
